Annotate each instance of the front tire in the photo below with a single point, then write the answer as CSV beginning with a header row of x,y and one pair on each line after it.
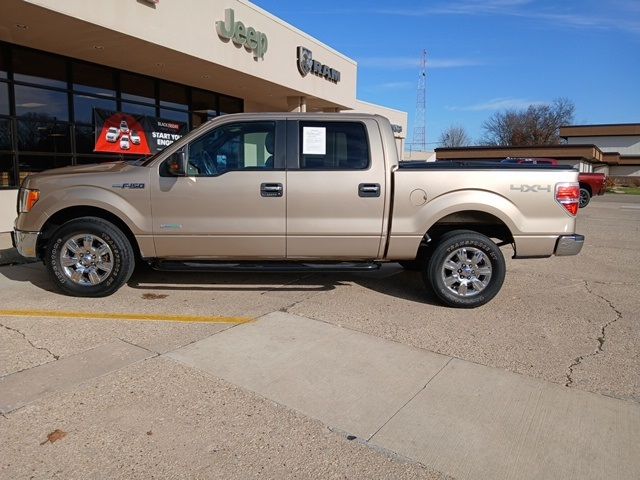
x,y
89,257
585,197
466,270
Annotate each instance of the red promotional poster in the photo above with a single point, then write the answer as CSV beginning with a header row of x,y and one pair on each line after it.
x,y
123,133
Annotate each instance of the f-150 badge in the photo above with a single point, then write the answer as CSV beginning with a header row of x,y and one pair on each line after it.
x,y
130,186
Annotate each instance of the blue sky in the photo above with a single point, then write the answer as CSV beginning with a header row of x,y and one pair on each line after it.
x,y
484,56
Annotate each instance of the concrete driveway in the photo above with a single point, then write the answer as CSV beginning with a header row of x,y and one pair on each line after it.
x,y
358,376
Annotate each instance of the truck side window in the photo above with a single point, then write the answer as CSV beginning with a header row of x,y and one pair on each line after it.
x,y
234,146
333,146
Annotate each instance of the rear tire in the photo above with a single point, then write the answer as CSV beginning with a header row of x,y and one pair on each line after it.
x,y
466,269
89,257
585,197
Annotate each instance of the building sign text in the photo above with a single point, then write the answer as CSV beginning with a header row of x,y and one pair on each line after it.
x,y
253,40
306,64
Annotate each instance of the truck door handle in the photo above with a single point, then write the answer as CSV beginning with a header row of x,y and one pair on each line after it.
x,y
271,189
369,190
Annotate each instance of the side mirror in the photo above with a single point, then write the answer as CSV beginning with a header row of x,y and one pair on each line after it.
x,y
176,164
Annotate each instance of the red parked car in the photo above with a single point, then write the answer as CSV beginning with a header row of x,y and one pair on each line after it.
x,y
590,183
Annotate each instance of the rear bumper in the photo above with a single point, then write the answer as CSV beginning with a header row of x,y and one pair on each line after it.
x,y
569,245
25,243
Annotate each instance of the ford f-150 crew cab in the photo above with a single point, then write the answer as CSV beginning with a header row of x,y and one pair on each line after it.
x,y
295,191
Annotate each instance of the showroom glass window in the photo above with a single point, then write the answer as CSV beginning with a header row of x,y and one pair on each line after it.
x,y
204,106
7,167
4,85
174,101
50,121
42,128
93,87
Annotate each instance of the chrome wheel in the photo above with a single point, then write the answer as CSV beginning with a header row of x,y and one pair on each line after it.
x,y
86,259
466,271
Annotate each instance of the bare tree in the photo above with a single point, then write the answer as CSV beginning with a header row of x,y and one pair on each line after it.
x,y
536,125
454,136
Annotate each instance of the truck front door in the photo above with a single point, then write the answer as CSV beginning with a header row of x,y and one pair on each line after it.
x,y
231,203
335,190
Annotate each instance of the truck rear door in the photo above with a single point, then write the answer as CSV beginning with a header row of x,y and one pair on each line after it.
x,y
335,189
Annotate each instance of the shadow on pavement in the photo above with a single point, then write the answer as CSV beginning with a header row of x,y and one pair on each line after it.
x,y
390,280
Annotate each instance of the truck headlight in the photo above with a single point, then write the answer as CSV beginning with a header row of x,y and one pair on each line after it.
x,y
27,198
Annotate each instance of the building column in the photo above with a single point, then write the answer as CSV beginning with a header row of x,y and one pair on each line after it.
x,y
297,104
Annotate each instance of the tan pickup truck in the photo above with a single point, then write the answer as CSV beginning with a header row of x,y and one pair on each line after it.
x,y
295,192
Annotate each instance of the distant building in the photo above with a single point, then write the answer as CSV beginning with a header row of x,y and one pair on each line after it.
x,y
620,144
426,156
610,149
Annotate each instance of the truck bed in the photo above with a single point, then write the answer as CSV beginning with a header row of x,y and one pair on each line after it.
x,y
475,165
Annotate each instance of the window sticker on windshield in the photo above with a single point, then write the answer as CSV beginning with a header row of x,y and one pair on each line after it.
x,y
314,140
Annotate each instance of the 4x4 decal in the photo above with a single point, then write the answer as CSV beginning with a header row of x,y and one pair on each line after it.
x,y
531,188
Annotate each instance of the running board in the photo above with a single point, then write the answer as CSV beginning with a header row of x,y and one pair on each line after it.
x,y
204,266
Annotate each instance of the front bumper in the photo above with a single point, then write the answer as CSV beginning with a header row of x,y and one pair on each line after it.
x,y
25,242
569,245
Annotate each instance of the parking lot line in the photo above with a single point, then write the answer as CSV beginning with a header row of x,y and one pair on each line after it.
x,y
136,317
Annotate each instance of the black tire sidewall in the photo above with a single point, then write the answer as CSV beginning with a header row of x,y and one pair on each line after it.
x,y
588,197
123,256
433,279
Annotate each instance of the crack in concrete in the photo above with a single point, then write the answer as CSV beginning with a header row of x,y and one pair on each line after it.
x,y
155,354
410,399
292,282
290,306
600,339
44,349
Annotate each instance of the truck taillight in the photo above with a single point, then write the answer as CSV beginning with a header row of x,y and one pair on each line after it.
x,y
568,195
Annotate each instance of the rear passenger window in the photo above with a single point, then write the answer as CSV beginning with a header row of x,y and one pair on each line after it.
x,y
333,146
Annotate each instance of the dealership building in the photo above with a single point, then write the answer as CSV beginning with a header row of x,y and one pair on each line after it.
x,y
179,62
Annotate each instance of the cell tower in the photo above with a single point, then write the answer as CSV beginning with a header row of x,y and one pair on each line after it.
x,y
420,129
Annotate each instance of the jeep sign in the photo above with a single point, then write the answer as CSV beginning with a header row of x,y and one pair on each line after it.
x,y
306,64
237,32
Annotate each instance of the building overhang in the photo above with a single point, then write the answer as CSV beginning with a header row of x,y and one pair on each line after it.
x,y
177,41
629,160
603,130
589,153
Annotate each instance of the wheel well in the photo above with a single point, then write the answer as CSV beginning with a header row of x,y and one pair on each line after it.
x,y
61,217
587,187
480,222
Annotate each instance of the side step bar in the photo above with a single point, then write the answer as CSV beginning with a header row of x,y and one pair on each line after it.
x,y
205,266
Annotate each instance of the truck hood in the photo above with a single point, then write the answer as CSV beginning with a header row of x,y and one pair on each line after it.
x,y
94,172
111,167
